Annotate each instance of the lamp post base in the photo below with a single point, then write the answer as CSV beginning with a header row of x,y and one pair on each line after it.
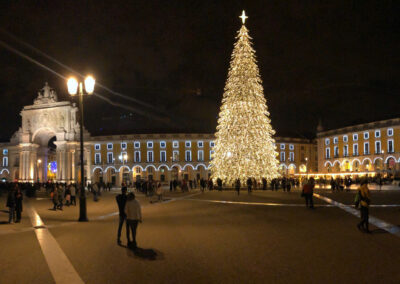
x,y
82,209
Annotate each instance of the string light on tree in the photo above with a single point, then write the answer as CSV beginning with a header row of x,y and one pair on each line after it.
x,y
244,145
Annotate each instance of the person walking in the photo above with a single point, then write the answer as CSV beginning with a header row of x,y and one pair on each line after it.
x,y
308,190
133,217
72,189
159,191
121,201
364,199
202,185
237,186
60,197
249,185
67,196
11,203
18,203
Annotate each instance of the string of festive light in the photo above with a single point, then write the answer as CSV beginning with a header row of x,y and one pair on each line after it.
x,y
244,145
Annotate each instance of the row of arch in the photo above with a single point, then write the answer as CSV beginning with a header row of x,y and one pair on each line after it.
x,y
387,159
197,167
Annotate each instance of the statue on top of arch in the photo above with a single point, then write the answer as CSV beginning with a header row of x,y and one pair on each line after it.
x,y
46,95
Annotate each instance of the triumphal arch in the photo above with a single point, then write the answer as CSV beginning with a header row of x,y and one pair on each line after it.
x,y
46,146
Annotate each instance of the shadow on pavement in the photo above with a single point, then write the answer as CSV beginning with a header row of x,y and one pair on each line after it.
x,y
4,222
145,254
379,231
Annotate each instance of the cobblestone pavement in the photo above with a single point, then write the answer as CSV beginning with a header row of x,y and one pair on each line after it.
x,y
211,237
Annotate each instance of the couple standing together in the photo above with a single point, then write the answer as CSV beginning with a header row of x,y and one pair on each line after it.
x,y
129,211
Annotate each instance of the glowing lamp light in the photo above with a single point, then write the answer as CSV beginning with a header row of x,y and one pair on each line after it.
x,y
229,154
89,84
39,161
72,84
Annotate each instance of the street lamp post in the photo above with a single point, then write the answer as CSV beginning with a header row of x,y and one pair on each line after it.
x,y
73,89
306,167
381,170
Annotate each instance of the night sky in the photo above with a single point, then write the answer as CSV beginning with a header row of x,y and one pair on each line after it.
x,y
337,61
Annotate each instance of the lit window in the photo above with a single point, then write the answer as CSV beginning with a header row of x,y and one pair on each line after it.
x,y
291,147
328,153
291,156
188,156
377,133
355,149
345,138
336,151
123,145
282,156
200,155
137,156
175,156
335,140
138,170
137,144
163,144
163,156
366,148
188,144
5,161
110,158
123,157
150,144
327,141
109,146
377,147
345,150
211,154
355,137
97,158
150,157
212,144
390,132
97,146
282,146
175,144
366,135
200,144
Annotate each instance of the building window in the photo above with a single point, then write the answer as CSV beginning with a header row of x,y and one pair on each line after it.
x,y
355,137
327,141
390,132
97,146
163,144
355,149
5,161
150,144
150,157
175,156
378,147
345,138
138,170
335,140
390,147
291,147
123,145
123,157
109,146
366,135
212,144
175,144
366,148
282,156
282,146
328,153
136,144
188,155
291,156
110,158
200,144
5,151
377,133
346,150
336,151
163,156
137,156
200,155
97,158
188,144
211,154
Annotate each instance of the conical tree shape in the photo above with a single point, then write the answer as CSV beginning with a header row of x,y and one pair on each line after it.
x,y
244,146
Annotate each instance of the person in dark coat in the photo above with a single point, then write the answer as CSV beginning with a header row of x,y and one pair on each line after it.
x,y
11,202
237,186
18,204
121,201
249,184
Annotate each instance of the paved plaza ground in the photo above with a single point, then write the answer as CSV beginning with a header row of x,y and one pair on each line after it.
x,y
211,237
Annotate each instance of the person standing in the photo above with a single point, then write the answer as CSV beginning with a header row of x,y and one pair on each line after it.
x,y
72,189
159,192
60,194
249,185
18,203
237,186
121,201
308,191
11,202
365,200
133,217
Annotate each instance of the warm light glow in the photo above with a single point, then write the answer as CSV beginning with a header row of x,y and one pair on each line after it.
x,y
72,84
89,84
244,145
39,161
243,17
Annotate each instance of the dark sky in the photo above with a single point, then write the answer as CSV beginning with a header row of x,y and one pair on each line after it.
x,y
337,61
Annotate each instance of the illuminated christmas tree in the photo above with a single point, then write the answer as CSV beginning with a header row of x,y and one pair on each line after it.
x,y
244,146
